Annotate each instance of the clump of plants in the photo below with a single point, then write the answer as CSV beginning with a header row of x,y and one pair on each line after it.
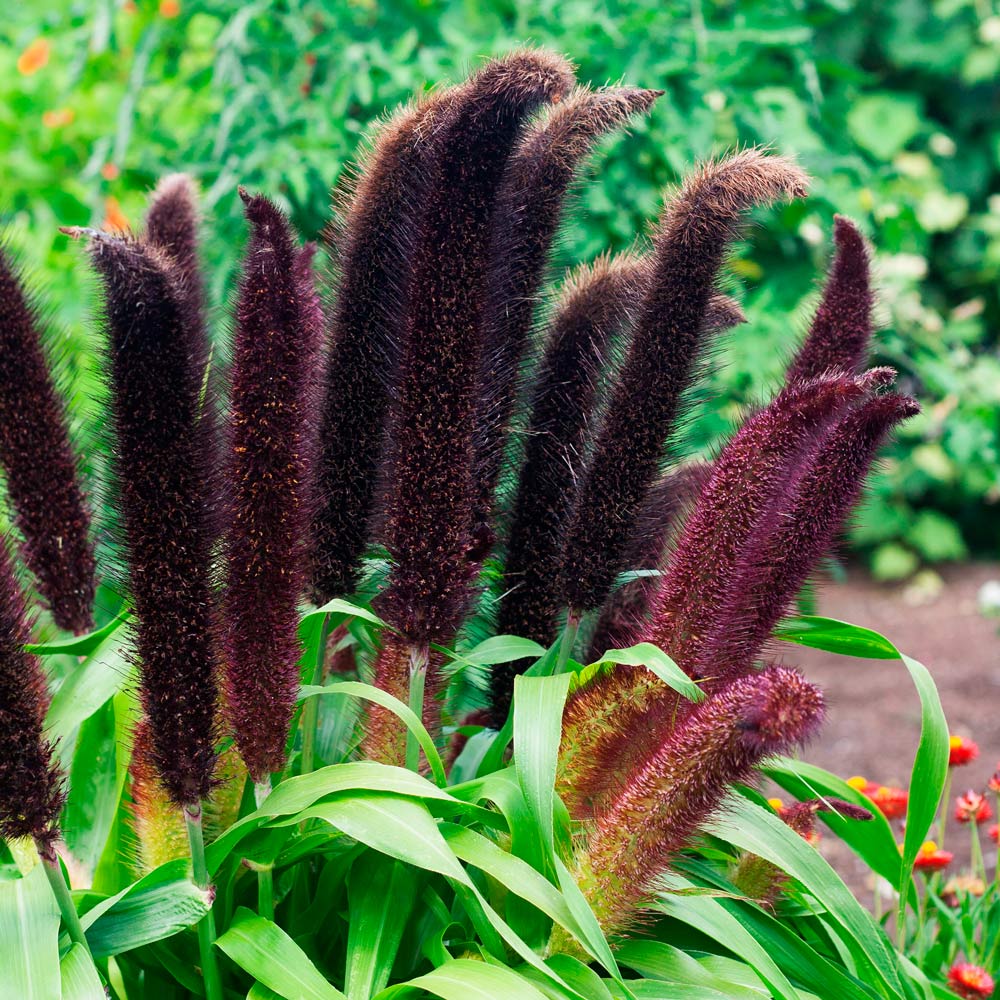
x,y
438,669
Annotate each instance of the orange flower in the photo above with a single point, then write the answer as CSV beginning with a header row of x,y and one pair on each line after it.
x,y
891,802
34,57
930,858
994,783
58,117
972,807
115,219
962,885
110,172
170,8
962,751
970,981
777,805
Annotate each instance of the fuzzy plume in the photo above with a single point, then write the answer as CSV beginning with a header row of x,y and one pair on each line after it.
x,y
172,226
162,423
842,327
596,302
662,512
430,491
43,480
366,328
661,806
529,208
271,479
670,337
753,472
31,794
792,540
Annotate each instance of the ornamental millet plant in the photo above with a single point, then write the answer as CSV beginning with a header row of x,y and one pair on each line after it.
x,y
393,441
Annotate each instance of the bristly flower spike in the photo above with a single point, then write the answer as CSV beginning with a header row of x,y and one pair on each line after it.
x,y
670,338
157,378
172,221
686,779
595,303
770,450
31,794
842,327
43,480
375,261
793,539
428,509
269,505
529,208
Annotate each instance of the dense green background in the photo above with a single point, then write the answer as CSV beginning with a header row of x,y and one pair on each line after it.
x,y
894,108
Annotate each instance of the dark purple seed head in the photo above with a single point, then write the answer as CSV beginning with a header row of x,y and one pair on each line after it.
x,y
374,260
31,793
842,327
427,520
161,414
663,803
798,531
43,481
172,222
529,207
270,477
670,337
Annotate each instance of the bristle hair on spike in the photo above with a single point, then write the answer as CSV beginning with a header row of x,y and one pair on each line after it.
x,y
41,470
375,265
670,337
31,785
162,422
597,302
270,499
842,327
529,207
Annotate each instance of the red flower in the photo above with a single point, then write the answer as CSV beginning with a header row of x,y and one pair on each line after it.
x,y
972,807
891,801
994,783
930,858
970,981
994,833
963,751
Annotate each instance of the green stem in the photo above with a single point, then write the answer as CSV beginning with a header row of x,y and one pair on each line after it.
x,y
54,873
943,817
265,875
419,655
976,852
310,711
206,926
568,640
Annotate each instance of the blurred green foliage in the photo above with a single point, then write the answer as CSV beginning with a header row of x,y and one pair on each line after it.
x,y
892,107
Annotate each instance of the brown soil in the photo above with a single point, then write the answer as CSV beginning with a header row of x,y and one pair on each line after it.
x,y
873,721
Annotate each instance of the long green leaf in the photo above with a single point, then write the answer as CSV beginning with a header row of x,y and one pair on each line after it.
x,y
381,894
836,637
264,950
79,645
80,978
29,938
463,979
645,654
760,831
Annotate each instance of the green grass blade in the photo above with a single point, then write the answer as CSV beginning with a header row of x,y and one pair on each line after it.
x,y
267,953
463,979
836,637
29,938
80,978
381,894
645,654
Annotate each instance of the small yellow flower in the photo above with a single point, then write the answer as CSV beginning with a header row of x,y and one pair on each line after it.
x,y
58,117
170,8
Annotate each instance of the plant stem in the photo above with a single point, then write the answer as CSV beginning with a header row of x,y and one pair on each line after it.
x,y
310,711
419,655
67,909
976,852
206,926
265,874
943,817
568,639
